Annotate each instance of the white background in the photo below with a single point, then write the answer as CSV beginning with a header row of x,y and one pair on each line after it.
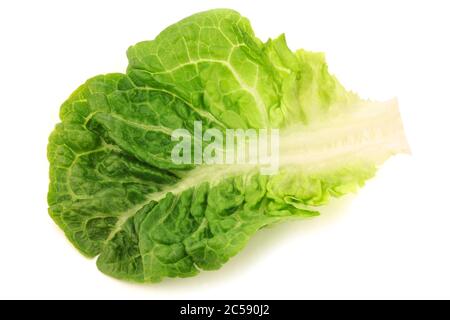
x,y
389,241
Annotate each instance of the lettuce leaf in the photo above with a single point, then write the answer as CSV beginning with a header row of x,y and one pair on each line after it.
x,y
117,194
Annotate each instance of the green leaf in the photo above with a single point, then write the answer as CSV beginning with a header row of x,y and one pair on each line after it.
x,y
116,193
